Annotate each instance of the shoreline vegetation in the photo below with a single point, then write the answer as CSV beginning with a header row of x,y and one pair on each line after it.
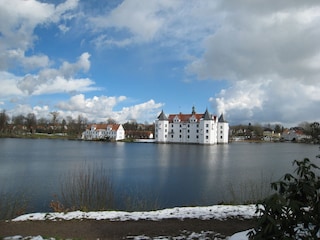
x,y
63,136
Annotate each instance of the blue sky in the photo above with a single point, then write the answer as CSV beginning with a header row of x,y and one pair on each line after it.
x,y
255,61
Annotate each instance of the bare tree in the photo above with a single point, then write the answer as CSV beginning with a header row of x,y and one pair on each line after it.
x,y
31,122
4,118
55,115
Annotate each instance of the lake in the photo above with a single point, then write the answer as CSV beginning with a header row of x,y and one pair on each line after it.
x,y
174,174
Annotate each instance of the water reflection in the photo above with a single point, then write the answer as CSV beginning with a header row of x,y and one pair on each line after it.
x,y
175,174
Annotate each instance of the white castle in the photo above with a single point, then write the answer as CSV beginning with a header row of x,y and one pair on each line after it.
x,y
191,128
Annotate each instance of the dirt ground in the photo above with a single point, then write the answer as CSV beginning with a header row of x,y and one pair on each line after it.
x,y
104,229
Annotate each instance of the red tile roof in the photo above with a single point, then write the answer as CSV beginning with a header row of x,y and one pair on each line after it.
x,y
184,117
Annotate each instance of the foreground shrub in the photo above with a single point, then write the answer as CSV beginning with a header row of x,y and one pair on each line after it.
x,y
85,189
12,205
134,199
293,212
249,192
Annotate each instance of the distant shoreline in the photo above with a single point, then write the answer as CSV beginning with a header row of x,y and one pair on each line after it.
x,y
61,136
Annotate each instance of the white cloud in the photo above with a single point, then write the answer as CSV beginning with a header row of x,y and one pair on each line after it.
x,y
144,21
146,111
51,80
269,52
18,20
62,85
101,108
9,85
137,17
96,104
269,101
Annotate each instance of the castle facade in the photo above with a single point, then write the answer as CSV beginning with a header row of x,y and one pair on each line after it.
x,y
191,128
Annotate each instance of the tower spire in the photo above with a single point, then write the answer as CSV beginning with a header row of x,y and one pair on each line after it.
x,y
193,110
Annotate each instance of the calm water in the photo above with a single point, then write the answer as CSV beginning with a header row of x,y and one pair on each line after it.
x,y
176,175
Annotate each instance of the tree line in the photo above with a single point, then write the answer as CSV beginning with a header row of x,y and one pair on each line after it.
x,y
28,124
252,131
72,127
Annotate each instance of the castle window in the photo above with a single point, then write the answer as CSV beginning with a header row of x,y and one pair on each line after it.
x,y
220,137
188,136
171,136
207,131
179,136
207,137
207,125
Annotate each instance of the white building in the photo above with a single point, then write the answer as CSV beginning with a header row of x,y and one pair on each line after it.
x,y
104,132
191,128
294,135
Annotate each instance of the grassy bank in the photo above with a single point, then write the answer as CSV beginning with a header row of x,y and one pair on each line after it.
x,y
39,136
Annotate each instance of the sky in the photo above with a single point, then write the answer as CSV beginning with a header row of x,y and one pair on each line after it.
x,y
254,61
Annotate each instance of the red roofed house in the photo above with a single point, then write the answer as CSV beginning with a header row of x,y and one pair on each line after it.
x,y
294,134
104,132
191,128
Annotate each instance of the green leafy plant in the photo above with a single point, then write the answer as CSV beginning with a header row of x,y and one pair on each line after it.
x,y
293,211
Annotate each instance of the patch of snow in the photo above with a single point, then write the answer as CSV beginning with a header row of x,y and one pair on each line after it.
x,y
219,212
27,238
240,235
204,235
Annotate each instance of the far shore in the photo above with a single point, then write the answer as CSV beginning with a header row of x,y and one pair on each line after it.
x,y
64,136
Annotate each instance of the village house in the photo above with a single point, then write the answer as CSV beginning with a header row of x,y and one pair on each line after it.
x,y
113,132
191,128
270,135
139,134
295,135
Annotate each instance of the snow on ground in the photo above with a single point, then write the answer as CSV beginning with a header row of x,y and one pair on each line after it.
x,y
219,212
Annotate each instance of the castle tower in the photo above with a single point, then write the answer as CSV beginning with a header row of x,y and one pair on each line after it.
x,y
222,130
161,128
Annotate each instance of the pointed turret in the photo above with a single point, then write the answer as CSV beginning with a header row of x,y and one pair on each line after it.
x,y
221,118
193,110
206,115
162,116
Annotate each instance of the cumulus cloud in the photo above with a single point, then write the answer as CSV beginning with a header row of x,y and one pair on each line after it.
x,y
141,112
18,20
101,108
269,53
50,80
8,85
144,21
25,109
